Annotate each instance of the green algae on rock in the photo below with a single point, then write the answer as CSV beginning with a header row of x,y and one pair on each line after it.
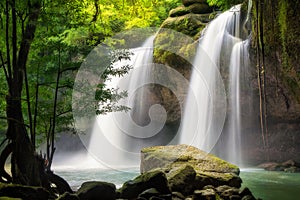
x,y
209,168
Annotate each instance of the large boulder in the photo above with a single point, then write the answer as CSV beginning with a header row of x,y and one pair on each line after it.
x,y
209,169
23,192
96,189
154,179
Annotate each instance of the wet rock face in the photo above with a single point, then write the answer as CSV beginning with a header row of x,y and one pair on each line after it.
x,y
177,51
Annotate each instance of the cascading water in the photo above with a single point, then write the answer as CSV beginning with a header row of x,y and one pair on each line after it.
x,y
117,138
219,47
238,64
123,134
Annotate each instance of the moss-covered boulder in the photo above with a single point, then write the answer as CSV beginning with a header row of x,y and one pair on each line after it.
x,y
23,192
210,170
179,11
154,179
96,189
189,24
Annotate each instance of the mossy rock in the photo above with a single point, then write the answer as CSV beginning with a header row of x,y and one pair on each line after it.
x,y
182,179
210,170
23,192
92,190
189,24
200,8
190,2
179,11
168,50
205,194
154,179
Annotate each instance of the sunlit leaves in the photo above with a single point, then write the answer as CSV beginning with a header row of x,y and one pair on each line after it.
x,y
108,98
224,4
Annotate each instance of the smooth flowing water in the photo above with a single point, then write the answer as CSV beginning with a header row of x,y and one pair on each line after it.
x,y
221,53
118,137
239,63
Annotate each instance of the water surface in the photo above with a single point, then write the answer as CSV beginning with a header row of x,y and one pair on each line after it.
x,y
269,185
263,184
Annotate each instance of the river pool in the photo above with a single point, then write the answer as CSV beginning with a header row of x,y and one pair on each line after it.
x,y
263,184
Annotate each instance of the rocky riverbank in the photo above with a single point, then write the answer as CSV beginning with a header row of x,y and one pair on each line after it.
x,y
178,172
290,166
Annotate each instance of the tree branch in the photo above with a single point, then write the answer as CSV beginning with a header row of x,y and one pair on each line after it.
x,y
4,68
7,40
14,120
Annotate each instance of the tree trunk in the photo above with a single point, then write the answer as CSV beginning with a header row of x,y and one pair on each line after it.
x,y
25,165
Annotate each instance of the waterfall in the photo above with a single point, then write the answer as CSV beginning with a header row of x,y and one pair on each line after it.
x,y
218,60
118,137
238,64
211,118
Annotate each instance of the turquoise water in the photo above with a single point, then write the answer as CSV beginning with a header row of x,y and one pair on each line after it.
x,y
269,185
263,184
76,177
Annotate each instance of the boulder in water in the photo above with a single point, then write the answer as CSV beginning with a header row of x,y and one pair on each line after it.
x,y
92,190
287,166
209,169
154,179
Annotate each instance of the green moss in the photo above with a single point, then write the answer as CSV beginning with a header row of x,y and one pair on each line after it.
x,y
179,11
282,20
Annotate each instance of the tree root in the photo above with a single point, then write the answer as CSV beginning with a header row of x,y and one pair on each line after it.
x,y
62,186
4,176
